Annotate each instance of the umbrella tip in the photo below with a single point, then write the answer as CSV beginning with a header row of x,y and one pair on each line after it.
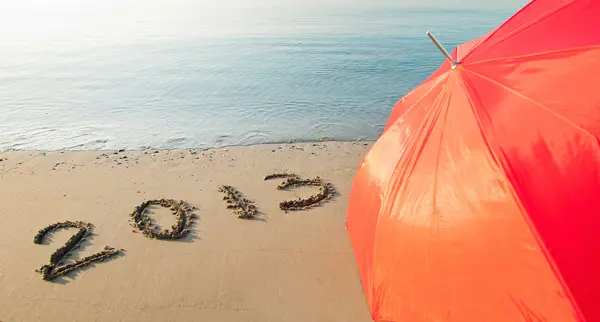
x,y
442,49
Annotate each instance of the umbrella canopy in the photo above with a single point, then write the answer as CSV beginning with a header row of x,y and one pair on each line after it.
x,y
481,199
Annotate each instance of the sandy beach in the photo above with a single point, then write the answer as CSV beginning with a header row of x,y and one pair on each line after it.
x,y
295,266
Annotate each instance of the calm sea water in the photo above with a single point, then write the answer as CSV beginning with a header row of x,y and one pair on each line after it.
x,y
109,76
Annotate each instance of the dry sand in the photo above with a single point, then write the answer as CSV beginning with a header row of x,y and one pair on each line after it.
x,y
297,266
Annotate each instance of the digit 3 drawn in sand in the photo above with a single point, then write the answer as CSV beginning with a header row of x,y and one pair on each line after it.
x,y
53,269
326,191
181,209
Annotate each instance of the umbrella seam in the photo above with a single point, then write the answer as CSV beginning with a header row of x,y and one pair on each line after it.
x,y
437,162
526,26
536,103
543,53
437,80
388,204
423,127
506,168
518,30
445,97
496,30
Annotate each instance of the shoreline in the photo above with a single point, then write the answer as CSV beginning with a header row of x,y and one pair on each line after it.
x,y
282,266
299,141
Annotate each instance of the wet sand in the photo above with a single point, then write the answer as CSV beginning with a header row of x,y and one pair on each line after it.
x,y
295,266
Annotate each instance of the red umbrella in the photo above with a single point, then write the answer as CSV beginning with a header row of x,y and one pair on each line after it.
x,y
481,199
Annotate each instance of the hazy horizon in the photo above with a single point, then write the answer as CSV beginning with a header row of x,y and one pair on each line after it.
x,y
113,19
103,74
446,4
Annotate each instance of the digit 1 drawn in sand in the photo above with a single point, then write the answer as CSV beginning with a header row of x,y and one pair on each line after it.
x,y
244,208
53,270
181,209
326,191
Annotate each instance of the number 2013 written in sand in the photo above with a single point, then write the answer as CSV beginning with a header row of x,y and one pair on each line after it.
x,y
184,213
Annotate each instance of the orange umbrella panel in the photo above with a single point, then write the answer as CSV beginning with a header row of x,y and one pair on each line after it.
x,y
479,202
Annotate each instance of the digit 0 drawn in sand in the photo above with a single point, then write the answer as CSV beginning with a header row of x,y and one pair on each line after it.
x,y
181,209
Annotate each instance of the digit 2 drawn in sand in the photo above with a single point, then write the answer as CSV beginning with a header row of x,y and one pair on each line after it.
x,y
53,270
326,191
181,209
